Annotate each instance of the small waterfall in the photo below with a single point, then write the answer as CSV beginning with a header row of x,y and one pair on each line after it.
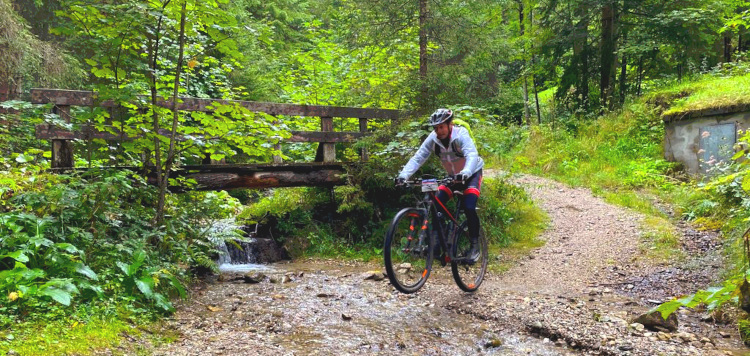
x,y
242,252
224,257
237,253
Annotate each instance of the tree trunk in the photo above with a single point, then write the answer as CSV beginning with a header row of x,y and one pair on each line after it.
x,y
607,54
423,54
623,73
727,47
640,74
581,55
533,77
154,52
741,45
526,110
623,78
175,114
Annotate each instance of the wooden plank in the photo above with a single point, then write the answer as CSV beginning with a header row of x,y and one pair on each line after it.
x,y
363,154
88,98
326,151
277,159
319,136
49,132
62,150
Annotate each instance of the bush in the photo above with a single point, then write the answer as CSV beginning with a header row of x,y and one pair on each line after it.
x,y
71,239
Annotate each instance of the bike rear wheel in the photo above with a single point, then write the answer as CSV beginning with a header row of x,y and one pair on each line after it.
x,y
468,274
408,252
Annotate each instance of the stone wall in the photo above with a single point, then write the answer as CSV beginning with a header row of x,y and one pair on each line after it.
x,y
687,138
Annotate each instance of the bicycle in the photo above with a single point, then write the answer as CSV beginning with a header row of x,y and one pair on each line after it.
x,y
410,242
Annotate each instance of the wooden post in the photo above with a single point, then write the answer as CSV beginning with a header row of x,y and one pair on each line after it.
x,y
62,150
326,150
207,160
277,158
364,156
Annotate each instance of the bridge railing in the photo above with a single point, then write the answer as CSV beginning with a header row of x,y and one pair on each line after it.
x,y
63,100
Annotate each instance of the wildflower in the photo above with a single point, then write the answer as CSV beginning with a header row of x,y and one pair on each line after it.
x,y
13,296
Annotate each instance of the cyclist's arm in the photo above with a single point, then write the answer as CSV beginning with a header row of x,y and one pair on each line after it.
x,y
473,162
419,158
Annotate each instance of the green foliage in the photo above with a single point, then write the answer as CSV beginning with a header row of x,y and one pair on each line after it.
x,y
712,297
327,73
29,62
89,240
616,151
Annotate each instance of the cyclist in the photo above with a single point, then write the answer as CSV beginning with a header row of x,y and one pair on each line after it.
x,y
458,154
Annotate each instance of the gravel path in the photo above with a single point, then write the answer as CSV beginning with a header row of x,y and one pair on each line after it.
x,y
575,295
586,236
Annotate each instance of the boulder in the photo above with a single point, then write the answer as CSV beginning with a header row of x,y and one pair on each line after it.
x,y
654,321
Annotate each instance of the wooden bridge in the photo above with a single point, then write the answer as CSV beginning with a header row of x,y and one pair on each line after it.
x,y
325,170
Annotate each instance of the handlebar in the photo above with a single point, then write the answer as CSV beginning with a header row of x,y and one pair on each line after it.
x,y
418,181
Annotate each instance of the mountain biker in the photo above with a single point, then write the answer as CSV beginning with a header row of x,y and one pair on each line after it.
x,y
455,147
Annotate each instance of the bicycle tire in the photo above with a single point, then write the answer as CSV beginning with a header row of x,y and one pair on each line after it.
x,y
408,261
468,275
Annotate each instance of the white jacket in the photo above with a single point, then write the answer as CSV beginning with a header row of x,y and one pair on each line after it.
x,y
464,159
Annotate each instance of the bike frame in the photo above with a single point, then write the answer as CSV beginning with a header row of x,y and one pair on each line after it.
x,y
432,204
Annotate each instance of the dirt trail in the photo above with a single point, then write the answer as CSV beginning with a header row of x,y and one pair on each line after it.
x,y
575,295
586,237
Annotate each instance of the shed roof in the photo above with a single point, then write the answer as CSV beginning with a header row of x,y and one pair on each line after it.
x,y
694,114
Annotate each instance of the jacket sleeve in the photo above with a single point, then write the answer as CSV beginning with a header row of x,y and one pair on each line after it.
x,y
469,150
419,158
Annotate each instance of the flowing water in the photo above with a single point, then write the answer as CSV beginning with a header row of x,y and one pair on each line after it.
x,y
326,307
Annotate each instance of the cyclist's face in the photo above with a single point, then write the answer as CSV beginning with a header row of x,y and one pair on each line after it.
x,y
443,130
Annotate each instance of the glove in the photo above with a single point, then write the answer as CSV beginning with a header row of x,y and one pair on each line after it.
x,y
399,181
460,178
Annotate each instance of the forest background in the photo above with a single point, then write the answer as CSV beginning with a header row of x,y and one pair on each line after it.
x,y
572,89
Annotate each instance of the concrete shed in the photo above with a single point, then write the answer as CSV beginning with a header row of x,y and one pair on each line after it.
x,y
700,139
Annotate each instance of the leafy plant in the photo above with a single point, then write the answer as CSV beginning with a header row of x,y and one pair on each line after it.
x,y
146,280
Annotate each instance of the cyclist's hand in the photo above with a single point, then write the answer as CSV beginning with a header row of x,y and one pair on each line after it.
x,y
460,178
399,181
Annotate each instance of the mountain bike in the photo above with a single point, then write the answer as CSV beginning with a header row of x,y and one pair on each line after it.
x,y
411,244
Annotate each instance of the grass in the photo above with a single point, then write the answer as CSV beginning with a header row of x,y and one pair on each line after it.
x,y
660,241
66,337
637,201
523,235
708,93
619,157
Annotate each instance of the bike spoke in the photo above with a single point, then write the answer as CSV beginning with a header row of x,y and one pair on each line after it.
x,y
468,273
406,252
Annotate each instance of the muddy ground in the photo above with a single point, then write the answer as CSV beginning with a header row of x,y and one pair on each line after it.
x,y
575,295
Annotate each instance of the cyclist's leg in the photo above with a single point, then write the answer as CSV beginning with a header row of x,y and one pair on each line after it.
x,y
444,195
471,196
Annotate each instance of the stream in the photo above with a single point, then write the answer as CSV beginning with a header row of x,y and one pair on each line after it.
x,y
327,307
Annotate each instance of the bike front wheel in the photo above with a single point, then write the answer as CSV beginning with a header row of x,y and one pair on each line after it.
x,y
407,252
468,273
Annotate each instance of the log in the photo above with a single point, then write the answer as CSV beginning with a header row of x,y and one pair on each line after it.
x,y
236,180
